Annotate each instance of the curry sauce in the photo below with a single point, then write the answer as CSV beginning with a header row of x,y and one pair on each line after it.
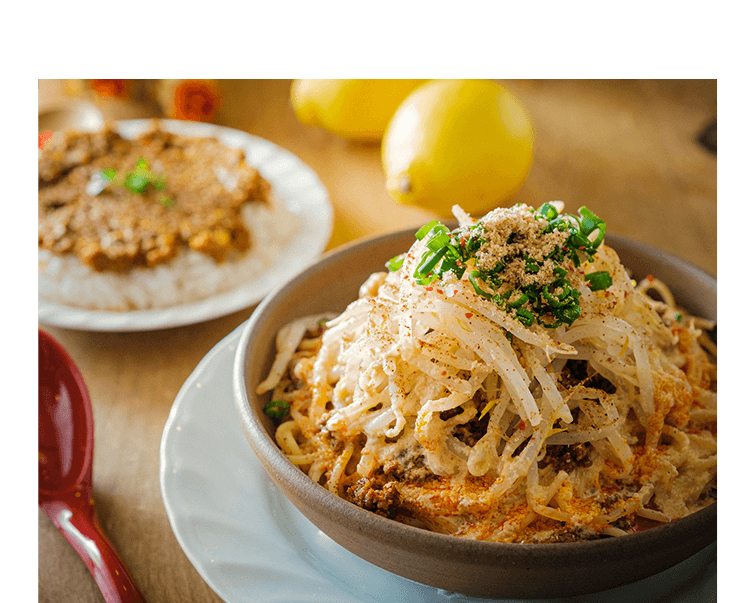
x,y
117,203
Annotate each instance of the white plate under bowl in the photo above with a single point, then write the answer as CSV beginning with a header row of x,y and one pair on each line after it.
x,y
251,545
295,185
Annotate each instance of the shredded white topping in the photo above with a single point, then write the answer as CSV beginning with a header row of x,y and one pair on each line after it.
x,y
488,429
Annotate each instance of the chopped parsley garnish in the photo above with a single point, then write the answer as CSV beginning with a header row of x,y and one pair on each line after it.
x,y
532,289
139,180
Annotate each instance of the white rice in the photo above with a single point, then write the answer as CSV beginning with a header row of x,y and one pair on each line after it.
x,y
189,277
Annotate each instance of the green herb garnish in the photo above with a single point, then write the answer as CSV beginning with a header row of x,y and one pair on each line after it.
x,y
599,280
276,409
395,263
551,303
139,180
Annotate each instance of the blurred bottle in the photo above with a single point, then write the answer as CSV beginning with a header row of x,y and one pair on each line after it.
x,y
193,100
187,99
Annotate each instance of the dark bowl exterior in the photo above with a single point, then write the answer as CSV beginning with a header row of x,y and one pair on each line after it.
x,y
484,569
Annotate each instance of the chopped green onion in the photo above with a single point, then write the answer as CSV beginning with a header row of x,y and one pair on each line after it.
x,y
136,182
427,280
277,409
395,263
591,222
109,174
599,280
551,325
556,299
166,202
557,223
429,261
472,279
520,301
439,241
526,317
570,314
532,266
552,304
422,232
548,211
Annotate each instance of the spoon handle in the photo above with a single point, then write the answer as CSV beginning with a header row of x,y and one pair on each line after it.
x,y
82,529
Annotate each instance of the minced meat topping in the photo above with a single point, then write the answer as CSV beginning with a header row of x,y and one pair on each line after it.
x,y
193,199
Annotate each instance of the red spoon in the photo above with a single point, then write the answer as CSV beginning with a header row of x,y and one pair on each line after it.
x,y
66,451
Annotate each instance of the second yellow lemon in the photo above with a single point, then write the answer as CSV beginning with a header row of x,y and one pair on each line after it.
x,y
465,142
353,109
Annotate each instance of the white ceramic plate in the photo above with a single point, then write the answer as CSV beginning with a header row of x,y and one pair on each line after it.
x,y
295,185
251,545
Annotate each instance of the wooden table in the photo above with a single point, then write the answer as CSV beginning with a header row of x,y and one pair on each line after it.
x,y
625,149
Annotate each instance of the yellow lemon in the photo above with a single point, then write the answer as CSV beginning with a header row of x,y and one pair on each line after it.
x,y
466,142
353,109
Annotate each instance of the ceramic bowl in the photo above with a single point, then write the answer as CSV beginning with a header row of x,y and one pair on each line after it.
x,y
484,569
